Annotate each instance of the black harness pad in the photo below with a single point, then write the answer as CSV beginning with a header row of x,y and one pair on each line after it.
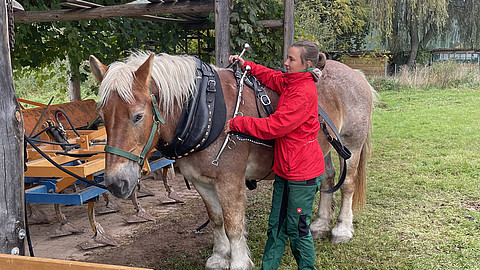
x,y
203,116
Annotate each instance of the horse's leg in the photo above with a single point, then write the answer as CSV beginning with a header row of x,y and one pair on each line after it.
x,y
233,200
343,230
321,226
221,247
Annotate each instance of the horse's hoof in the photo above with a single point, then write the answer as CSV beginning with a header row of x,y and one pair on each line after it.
x,y
339,239
245,265
320,234
217,262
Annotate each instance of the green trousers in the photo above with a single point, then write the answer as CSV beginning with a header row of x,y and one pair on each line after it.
x,y
290,219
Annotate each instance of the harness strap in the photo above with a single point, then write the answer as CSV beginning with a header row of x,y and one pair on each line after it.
x,y
122,153
258,89
337,144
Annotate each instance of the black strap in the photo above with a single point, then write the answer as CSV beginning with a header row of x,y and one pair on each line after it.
x,y
260,94
77,155
337,144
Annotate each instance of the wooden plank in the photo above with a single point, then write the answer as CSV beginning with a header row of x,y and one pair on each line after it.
x,y
10,262
289,26
81,113
12,211
42,169
31,102
222,32
104,12
271,23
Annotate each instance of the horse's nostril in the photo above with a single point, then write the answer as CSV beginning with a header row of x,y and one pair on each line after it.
x,y
124,187
119,189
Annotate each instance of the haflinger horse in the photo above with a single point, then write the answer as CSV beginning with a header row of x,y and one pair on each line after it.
x,y
129,88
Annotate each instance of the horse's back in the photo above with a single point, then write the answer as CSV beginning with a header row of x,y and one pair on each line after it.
x,y
347,97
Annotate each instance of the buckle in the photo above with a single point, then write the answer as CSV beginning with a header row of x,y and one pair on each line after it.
x,y
211,86
265,100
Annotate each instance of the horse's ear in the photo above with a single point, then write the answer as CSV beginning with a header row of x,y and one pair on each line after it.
x,y
142,74
98,69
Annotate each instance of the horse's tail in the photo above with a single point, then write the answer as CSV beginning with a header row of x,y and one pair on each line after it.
x,y
360,193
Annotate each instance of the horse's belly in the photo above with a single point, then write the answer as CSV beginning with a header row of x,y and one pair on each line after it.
x,y
259,163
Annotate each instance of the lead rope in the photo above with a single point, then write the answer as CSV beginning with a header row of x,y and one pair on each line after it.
x,y
235,113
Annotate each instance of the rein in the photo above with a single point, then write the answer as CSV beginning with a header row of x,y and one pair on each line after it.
x,y
141,158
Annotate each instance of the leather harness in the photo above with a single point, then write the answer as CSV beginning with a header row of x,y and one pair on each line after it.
x,y
203,116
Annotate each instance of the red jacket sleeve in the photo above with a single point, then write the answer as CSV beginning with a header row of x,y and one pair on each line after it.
x,y
271,78
286,118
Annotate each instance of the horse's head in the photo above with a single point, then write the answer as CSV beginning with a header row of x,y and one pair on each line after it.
x,y
130,122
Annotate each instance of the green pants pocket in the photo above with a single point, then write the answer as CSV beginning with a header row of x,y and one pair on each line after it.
x,y
303,228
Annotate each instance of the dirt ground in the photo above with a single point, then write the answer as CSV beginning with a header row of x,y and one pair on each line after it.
x,y
148,244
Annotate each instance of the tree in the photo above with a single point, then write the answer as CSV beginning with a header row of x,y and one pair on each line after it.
x,y
338,25
40,44
464,24
408,23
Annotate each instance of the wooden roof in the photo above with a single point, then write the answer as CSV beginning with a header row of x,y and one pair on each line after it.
x,y
185,11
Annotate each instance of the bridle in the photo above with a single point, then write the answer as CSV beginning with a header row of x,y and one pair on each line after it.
x,y
141,158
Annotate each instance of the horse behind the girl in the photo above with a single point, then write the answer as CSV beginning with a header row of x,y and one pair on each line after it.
x,y
137,95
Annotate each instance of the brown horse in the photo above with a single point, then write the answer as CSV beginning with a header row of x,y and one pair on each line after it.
x,y
126,108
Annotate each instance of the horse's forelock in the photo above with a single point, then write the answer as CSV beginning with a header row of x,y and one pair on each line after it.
x,y
173,75
119,78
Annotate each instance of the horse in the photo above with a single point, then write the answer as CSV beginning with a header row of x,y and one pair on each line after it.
x,y
143,85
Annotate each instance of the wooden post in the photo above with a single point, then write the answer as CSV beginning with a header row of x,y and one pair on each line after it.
x,y
288,26
12,211
222,32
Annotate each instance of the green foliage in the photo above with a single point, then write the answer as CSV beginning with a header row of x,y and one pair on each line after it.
x,y
51,81
266,45
463,15
338,25
40,44
386,84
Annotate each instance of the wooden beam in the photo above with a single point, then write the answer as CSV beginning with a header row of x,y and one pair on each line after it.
x,y
289,26
104,12
9,262
271,23
12,211
222,32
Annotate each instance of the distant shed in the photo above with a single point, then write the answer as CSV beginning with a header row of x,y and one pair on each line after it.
x,y
471,56
370,63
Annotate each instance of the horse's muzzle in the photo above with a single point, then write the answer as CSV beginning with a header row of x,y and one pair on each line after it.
x,y
121,189
122,179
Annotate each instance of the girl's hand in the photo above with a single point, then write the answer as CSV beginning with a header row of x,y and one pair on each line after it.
x,y
227,127
232,58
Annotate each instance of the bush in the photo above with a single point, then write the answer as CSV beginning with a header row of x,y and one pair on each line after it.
x,y
441,75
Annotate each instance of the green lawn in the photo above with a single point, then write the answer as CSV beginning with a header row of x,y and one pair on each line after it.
x,y
423,193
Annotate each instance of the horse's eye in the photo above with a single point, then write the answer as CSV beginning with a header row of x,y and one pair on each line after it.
x,y
138,117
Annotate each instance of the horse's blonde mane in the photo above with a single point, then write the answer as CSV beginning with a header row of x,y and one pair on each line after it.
x,y
173,75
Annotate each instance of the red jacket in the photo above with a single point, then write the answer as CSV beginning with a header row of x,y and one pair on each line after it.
x,y
294,125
